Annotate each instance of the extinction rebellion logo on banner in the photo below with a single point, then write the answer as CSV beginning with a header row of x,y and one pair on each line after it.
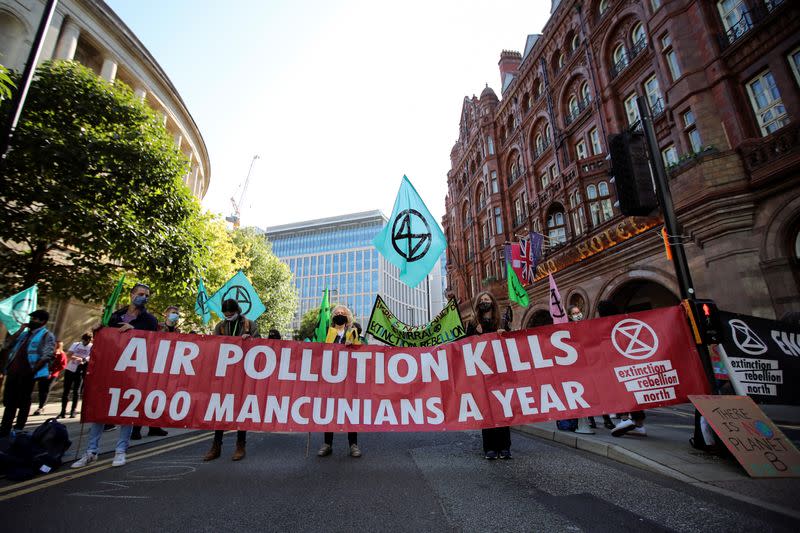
x,y
652,381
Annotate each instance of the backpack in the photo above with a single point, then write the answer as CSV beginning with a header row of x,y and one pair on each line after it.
x,y
570,424
52,438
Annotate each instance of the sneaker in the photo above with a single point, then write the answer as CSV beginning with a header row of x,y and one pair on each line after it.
x,y
491,455
326,450
585,431
119,459
355,451
37,412
623,427
608,424
72,414
638,431
108,427
85,460
505,454
156,432
62,414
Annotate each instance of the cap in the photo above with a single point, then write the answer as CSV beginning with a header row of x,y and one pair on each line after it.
x,y
40,314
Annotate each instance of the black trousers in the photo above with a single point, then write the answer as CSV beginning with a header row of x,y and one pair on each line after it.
x,y
44,389
352,438
72,382
241,436
496,439
16,398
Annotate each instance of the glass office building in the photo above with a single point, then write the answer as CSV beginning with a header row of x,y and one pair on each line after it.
x,y
337,253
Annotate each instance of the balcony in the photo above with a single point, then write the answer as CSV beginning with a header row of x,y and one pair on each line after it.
x,y
773,156
657,108
515,175
576,112
539,150
628,57
748,21
518,221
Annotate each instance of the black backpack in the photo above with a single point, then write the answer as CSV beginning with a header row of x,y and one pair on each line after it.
x,y
26,454
52,438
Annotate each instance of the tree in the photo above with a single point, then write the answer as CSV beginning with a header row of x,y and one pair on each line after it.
x,y
92,187
6,83
309,323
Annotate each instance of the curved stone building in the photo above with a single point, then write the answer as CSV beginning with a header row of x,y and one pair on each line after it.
x,y
721,79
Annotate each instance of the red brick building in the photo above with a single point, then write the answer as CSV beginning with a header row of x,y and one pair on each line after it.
x,y
722,79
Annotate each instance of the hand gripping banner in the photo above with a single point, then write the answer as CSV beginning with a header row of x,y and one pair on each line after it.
x,y
606,365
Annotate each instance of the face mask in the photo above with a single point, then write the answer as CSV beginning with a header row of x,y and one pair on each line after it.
x,y
35,325
484,306
576,317
232,317
172,317
339,320
140,301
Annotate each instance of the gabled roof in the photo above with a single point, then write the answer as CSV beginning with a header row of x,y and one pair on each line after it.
x,y
529,44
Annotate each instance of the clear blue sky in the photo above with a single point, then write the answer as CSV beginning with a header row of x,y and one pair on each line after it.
x,y
339,98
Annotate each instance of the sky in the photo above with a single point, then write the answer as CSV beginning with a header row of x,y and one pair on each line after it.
x,y
339,99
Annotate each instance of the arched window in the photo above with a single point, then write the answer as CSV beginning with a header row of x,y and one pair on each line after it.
x,y
481,197
548,133
578,216
556,227
465,219
12,38
573,106
602,8
620,55
490,145
638,36
515,168
539,88
586,94
539,144
526,103
606,205
510,122
576,42
560,61
600,207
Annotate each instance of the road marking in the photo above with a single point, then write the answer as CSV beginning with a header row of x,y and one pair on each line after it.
x,y
35,484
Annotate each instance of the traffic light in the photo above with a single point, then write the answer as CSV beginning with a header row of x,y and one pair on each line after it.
x,y
705,321
631,173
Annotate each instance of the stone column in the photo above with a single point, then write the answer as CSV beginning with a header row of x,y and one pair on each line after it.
x,y
178,140
109,70
140,93
68,40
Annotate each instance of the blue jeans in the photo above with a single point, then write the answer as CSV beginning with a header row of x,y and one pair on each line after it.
x,y
96,431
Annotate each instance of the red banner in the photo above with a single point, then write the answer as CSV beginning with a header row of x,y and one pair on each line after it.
x,y
607,365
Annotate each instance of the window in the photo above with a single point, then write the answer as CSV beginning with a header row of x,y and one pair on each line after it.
x,y
691,131
620,57
767,103
573,106
594,137
631,109
671,57
602,8
465,216
498,221
576,42
578,216
586,95
484,235
494,182
556,228
490,145
481,198
545,180
548,133
794,61
670,156
654,95
560,61
638,36
735,18
580,150
519,211
606,210
655,4
539,144
553,173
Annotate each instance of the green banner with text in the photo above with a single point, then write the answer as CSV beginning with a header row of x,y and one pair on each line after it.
x,y
386,327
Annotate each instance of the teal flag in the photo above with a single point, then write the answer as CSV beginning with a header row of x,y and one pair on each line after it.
x,y
201,303
14,310
240,289
411,240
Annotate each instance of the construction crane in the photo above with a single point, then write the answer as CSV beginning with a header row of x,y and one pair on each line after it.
x,y
235,218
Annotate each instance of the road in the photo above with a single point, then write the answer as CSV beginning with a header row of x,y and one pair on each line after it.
x,y
404,482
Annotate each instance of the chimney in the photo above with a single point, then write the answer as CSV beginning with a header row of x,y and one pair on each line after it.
x,y
509,63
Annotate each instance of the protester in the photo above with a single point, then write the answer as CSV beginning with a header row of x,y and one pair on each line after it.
x,y
78,356
28,360
171,317
359,329
341,332
274,334
496,441
57,364
234,325
133,316
631,423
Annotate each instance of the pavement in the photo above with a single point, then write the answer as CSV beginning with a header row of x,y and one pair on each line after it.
x,y
666,450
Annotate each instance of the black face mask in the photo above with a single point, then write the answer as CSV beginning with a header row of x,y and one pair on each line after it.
x,y
35,325
484,306
339,320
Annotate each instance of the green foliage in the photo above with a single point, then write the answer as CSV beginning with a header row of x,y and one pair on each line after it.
x,y
93,185
6,83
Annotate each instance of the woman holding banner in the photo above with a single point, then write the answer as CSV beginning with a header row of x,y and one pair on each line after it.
x,y
341,332
486,312
234,325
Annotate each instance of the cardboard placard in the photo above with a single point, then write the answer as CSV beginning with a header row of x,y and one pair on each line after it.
x,y
760,447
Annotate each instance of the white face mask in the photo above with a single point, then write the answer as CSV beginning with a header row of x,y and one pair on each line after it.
x,y
173,317
232,317
576,317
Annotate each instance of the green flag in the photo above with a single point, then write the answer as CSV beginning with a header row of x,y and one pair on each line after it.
x,y
412,239
200,304
14,310
516,292
240,289
111,304
321,333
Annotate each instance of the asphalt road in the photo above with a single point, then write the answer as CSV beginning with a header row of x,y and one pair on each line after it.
x,y
404,482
